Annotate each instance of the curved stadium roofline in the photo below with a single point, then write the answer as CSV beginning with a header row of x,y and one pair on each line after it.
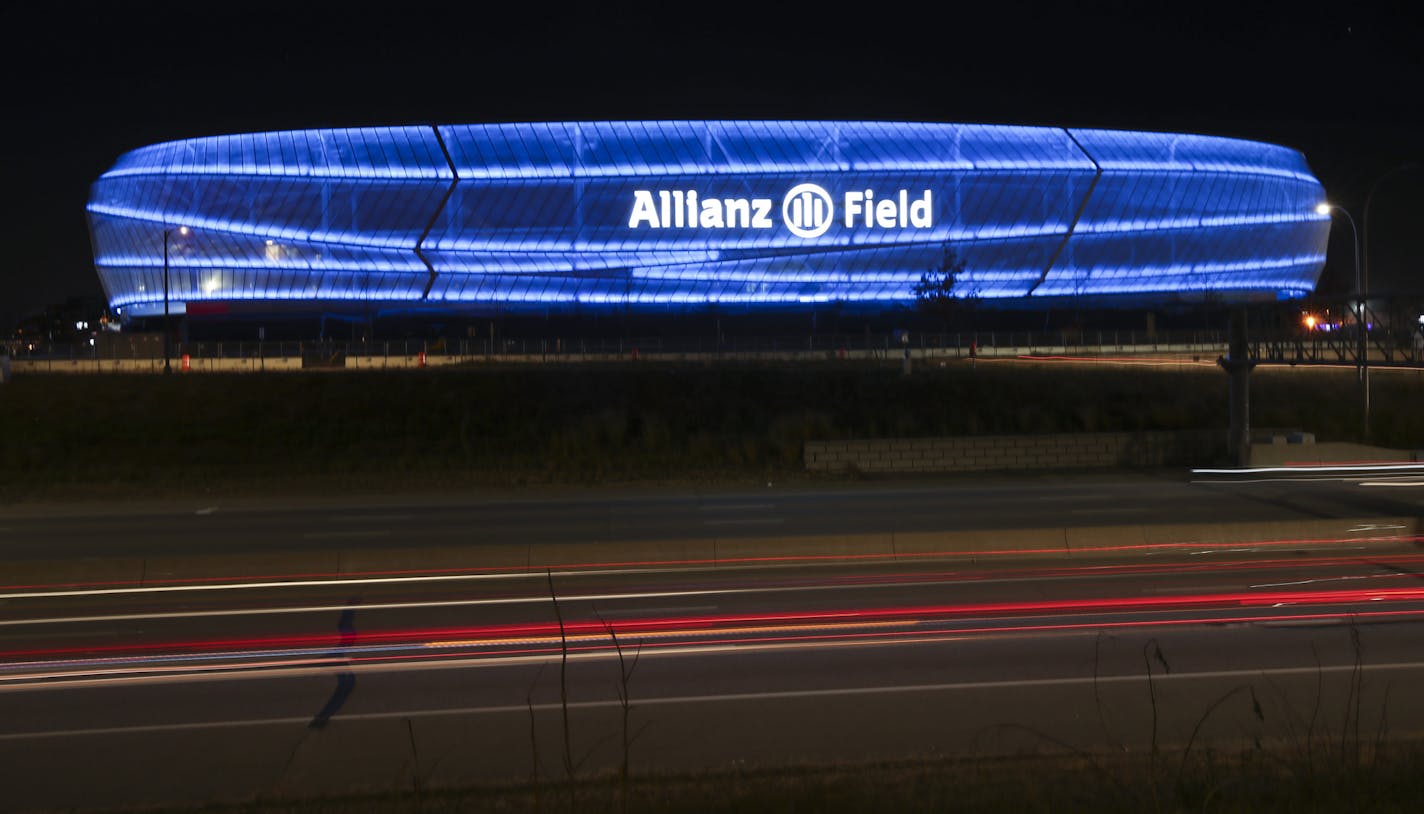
x,y
682,214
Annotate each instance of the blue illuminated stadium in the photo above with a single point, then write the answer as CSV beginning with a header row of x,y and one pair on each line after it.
x,y
464,218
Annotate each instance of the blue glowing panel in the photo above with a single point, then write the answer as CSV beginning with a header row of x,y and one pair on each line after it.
x,y
681,213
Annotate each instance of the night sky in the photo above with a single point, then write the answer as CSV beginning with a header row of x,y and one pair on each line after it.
x,y
1343,82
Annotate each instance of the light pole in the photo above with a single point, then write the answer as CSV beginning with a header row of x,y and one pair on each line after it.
x,y
167,348
167,367
1361,358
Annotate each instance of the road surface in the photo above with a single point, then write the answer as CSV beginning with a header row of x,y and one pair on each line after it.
x,y
179,691
254,527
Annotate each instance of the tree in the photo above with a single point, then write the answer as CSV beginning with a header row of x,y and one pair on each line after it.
x,y
938,291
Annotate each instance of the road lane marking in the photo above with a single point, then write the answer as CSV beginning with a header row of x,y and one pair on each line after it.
x,y
783,695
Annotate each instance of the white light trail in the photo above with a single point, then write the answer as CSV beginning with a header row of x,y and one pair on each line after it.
x,y
1308,468
838,692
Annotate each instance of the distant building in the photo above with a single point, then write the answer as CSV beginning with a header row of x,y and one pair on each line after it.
x,y
468,219
76,319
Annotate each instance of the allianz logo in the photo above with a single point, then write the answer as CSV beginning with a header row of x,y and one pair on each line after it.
x,y
807,210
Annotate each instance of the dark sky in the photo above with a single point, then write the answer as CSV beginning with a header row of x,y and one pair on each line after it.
x,y
1341,81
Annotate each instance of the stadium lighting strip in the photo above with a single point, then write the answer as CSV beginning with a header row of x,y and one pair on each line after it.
x,y
1173,280
1165,224
1168,279
222,264
983,234
157,219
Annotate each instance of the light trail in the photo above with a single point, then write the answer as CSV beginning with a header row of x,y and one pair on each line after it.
x,y
523,634
451,603
1321,479
706,632
868,582
634,567
697,642
1361,466
772,695
1145,361
1320,580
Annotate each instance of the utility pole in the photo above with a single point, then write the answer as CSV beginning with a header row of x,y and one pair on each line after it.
x,y
167,350
1237,363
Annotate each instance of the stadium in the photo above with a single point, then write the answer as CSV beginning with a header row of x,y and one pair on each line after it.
x,y
675,215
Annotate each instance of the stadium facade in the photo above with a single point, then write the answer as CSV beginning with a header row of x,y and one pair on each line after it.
x,y
682,214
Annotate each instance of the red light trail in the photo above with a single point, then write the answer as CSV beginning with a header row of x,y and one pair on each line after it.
x,y
905,624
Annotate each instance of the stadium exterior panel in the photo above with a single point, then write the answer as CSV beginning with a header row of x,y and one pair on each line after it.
x,y
679,214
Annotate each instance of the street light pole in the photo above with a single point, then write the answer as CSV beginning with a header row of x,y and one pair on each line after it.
x,y
167,352
167,331
1361,321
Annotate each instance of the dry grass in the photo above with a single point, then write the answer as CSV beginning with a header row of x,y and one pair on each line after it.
x,y
515,426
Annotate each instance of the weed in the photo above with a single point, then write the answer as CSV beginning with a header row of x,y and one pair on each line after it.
x,y
566,424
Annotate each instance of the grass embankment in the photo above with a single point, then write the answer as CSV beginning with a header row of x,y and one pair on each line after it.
x,y
522,425
1384,779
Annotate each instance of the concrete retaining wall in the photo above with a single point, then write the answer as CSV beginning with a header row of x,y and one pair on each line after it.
x,y
1015,452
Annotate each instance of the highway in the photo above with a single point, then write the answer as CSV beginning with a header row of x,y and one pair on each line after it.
x,y
190,689
252,527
